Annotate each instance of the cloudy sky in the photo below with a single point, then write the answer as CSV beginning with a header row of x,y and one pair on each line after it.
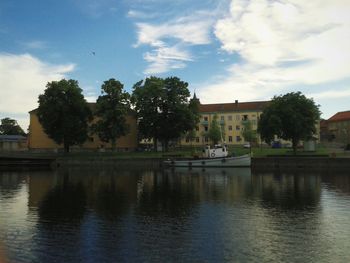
x,y
226,50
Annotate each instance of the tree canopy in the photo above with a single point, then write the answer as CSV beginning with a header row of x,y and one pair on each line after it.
x,y
64,113
290,117
112,107
248,133
10,127
163,108
214,132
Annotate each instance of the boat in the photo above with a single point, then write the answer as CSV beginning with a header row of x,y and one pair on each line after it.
x,y
212,157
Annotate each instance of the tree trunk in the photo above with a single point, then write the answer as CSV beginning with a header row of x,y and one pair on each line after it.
x,y
295,145
155,144
66,147
114,144
166,145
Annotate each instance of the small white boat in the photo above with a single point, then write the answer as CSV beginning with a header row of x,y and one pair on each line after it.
x,y
216,157
239,161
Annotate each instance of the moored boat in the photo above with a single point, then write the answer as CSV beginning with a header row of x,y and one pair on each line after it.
x,y
213,157
236,161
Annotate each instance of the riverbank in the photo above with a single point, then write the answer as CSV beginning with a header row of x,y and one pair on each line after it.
x,y
264,159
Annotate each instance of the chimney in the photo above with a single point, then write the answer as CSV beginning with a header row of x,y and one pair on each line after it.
x,y
236,102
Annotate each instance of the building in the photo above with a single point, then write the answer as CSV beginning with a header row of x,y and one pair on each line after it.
x,y
13,143
339,127
38,140
231,117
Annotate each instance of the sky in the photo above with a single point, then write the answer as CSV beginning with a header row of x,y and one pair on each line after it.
x,y
226,50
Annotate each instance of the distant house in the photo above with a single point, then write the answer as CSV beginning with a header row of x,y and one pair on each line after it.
x,y
339,127
38,140
13,143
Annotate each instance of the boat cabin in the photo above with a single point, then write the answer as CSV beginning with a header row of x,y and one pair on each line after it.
x,y
218,151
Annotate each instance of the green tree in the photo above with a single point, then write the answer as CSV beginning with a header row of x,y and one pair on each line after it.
x,y
214,132
248,133
112,106
290,117
64,113
10,127
163,109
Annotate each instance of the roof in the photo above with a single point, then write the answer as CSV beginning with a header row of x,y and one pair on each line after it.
x,y
12,138
340,116
236,106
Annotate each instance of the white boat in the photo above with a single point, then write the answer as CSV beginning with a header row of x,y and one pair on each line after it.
x,y
216,157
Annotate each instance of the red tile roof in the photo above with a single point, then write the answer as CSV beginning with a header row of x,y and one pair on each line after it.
x,y
239,106
340,116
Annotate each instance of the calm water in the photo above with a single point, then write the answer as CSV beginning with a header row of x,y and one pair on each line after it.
x,y
215,215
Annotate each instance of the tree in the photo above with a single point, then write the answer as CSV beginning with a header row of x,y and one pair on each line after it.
x,y
248,133
214,133
10,127
112,107
163,109
290,117
64,113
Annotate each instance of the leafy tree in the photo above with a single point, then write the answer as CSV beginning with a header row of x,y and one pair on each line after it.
x,y
64,113
248,133
10,127
290,117
112,107
163,109
214,133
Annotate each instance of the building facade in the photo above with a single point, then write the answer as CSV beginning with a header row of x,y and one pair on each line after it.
x,y
38,140
339,127
231,118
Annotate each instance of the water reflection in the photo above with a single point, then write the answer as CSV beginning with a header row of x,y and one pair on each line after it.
x,y
206,215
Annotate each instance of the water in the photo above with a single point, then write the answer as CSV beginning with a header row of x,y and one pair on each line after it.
x,y
135,215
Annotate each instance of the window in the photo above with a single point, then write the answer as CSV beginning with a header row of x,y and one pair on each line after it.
x,y
197,128
238,127
230,138
206,139
238,117
187,140
197,139
205,118
222,118
230,127
229,117
205,128
254,122
238,138
244,117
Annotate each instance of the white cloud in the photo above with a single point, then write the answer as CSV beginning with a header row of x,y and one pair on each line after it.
x,y
35,44
170,41
191,30
281,43
330,94
22,79
165,58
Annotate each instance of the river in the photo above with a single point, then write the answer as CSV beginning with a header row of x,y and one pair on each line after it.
x,y
146,215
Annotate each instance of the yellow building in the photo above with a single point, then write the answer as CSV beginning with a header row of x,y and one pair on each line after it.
x,y
39,141
231,117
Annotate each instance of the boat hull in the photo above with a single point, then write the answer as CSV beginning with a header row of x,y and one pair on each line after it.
x,y
240,161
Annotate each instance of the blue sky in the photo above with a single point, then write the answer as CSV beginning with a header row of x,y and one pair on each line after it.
x,y
225,50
